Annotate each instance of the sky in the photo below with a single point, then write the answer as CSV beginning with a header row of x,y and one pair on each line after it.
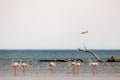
x,y
57,24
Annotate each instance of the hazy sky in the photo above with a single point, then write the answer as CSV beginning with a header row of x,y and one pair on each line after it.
x,y
57,24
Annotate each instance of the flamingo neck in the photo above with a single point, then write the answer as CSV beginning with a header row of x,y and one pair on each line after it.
x,y
20,62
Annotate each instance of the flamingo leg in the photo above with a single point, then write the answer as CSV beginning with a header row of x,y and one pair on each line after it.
x,y
51,70
78,70
73,70
24,71
94,70
15,71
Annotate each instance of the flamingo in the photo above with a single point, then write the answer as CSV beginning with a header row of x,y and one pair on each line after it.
x,y
24,65
78,65
84,32
15,65
51,65
94,65
73,64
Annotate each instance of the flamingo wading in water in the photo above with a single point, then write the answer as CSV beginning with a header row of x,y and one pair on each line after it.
x,y
15,65
78,66
73,64
24,65
51,65
94,65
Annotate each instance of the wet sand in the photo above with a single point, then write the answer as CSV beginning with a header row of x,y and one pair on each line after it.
x,y
64,77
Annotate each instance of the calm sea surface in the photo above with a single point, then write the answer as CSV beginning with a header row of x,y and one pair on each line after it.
x,y
33,57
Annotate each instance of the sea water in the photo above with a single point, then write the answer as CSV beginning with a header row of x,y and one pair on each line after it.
x,y
36,68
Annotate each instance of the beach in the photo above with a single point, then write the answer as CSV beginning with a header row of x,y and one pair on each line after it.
x,y
65,77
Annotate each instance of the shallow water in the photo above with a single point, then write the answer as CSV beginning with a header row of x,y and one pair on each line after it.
x,y
36,68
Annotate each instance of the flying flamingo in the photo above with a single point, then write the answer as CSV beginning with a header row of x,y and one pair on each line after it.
x,y
73,64
78,65
94,65
24,65
84,32
51,65
15,65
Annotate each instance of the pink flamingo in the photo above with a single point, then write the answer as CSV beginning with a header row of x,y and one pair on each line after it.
x,y
73,64
15,66
94,65
78,65
24,65
51,65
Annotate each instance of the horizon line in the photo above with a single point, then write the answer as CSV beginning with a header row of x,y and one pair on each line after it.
x,y
62,49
